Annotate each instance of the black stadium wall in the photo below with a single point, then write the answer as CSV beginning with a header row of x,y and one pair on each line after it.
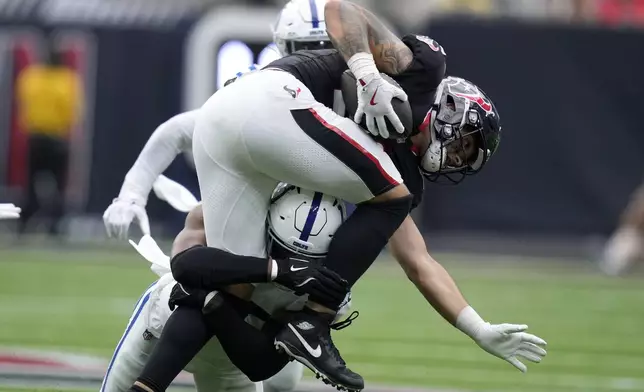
x,y
571,102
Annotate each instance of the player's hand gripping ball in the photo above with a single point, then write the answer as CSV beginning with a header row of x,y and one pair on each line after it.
x,y
402,109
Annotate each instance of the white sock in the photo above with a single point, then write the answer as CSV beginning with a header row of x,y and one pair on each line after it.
x,y
623,249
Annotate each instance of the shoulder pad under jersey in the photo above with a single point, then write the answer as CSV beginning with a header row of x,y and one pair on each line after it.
x,y
239,74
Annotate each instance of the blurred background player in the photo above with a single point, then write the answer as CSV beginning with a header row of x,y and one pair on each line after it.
x,y
626,246
49,102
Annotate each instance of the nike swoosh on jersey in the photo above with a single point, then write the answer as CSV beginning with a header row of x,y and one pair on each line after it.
x,y
317,352
293,269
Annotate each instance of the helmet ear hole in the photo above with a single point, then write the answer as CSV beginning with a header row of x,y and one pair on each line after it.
x,y
451,104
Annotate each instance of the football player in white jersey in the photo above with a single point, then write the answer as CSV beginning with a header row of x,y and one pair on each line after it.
x,y
211,368
300,25
506,341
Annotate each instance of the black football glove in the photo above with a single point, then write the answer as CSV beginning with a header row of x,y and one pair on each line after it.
x,y
323,286
185,296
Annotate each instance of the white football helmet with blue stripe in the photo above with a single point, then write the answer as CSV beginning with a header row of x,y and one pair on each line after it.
x,y
302,221
301,25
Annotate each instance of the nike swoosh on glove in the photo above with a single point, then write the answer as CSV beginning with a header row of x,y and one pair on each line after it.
x,y
304,277
120,214
185,296
374,102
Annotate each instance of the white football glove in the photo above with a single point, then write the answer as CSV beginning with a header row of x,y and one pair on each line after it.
x,y
120,214
506,341
9,211
374,96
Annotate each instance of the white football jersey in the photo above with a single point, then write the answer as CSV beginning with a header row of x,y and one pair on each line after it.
x,y
250,69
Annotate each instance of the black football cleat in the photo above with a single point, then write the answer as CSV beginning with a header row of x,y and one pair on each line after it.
x,y
307,339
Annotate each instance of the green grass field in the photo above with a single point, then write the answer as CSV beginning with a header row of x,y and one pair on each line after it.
x,y
80,301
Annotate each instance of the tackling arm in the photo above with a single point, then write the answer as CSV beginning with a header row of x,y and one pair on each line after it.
x,y
192,239
354,30
167,141
205,268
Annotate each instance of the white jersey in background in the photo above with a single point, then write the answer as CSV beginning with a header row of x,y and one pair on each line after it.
x,y
299,25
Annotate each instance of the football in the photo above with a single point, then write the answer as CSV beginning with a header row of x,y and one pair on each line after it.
x,y
402,109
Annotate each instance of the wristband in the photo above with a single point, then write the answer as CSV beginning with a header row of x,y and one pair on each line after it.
x,y
469,322
362,64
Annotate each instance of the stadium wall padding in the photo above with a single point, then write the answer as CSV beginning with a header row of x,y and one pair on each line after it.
x,y
571,100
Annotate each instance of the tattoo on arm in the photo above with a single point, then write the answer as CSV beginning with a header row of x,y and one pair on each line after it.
x,y
347,27
393,58
353,29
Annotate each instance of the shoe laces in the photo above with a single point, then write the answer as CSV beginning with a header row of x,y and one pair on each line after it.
x,y
346,322
328,341
331,349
